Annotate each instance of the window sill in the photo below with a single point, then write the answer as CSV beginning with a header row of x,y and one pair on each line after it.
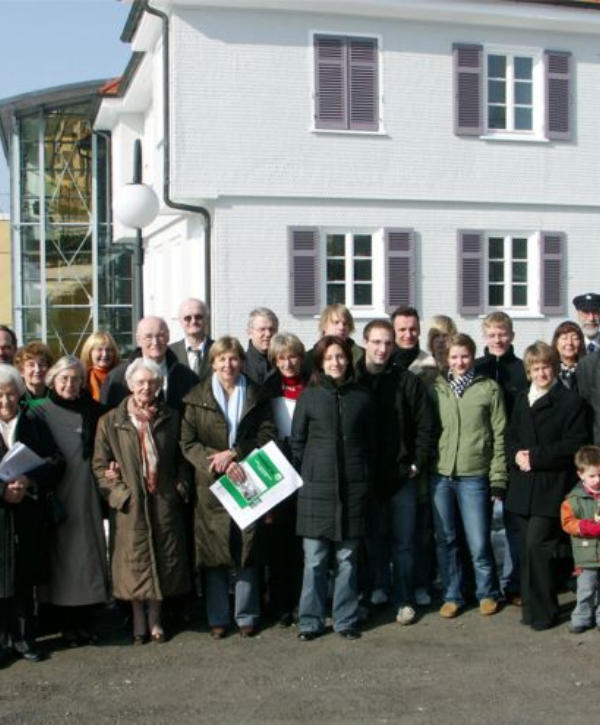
x,y
515,314
518,137
347,132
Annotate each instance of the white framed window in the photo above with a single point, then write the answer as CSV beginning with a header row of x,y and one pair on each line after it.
x,y
370,270
512,272
514,91
352,268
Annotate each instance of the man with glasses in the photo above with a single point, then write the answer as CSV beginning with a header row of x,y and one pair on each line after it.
x,y
193,349
152,337
262,325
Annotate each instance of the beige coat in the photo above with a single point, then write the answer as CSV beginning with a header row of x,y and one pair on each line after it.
x,y
204,432
149,559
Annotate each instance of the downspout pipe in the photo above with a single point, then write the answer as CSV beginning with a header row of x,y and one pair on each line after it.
x,y
194,208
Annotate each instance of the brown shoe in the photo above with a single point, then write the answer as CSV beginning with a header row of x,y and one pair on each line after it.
x,y
515,599
217,632
247,632
488,606
449,610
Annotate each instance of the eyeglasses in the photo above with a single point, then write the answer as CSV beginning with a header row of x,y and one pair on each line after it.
x,y
189,318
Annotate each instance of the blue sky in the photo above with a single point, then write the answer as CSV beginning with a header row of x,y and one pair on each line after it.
x,y
45,43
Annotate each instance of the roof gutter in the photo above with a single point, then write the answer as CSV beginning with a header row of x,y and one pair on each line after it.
x,y
194,208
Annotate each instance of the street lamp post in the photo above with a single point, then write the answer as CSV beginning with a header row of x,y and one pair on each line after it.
x,y
136,207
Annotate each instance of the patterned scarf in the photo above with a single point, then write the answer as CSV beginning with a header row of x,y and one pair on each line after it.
x,y
460,384
142,420
567,373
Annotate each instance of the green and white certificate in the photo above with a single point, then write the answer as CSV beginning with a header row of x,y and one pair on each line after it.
x,y
270,478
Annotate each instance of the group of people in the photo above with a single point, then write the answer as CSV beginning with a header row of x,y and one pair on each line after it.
x,y
402,453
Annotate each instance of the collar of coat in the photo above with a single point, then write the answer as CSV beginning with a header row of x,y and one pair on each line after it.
x,y
202,396
122,419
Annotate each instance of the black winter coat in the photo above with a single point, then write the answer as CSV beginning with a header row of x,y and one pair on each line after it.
x,y
256,365
404,424
587,378
332,446
552,430
508,371
23,526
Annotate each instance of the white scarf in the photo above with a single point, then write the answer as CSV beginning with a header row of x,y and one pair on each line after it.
x,y
536,393
232,408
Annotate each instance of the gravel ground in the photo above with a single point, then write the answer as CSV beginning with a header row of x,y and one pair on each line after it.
x,y
468,670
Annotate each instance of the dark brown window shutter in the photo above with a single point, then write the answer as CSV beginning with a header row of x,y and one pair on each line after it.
x,y
471,292
304,270
400,263
552,272
362,69
331,81
558,94
467,89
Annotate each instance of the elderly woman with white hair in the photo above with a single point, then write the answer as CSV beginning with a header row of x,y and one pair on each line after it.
x,y
22,507
78,575
140,470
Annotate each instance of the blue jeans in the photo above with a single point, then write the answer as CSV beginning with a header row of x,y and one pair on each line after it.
x,y
313,599
247,599
391,534
469,497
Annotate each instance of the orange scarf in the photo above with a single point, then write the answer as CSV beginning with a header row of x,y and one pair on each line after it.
x,y
96,377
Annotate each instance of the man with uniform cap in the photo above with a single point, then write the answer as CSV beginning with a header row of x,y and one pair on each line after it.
x,y
587,307
588,368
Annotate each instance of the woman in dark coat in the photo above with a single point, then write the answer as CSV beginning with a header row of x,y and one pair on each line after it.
x,y
226,417
283,548
140,470
547,427
332,443
23,523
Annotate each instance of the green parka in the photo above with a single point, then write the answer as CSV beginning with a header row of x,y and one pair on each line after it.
x,y
471,441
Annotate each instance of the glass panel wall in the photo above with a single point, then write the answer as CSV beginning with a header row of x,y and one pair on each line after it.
x,y
65,241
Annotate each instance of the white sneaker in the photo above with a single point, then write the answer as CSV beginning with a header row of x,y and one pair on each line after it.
x,y
406,615
378,597
422,597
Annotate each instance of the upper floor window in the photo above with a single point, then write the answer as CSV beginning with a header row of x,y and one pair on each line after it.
x,y
346,83
512,92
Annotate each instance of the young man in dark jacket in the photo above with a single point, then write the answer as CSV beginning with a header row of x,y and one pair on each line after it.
x,y
500,363
404,432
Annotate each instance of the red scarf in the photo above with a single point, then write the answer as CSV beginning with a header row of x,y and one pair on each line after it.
x,y
292,387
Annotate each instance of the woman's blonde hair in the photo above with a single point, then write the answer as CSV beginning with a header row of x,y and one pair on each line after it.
x,y
67,362
100,337
225,344
339,310
285,342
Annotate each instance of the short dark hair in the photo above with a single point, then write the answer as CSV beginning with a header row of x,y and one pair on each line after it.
x,y
405,311
321,348
587,456
381,323
10,333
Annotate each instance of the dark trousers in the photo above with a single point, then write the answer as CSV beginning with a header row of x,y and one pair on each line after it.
x,y
538,539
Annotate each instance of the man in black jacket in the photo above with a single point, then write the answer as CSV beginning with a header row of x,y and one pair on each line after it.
x,y
152,337
404,435
262,325
500,363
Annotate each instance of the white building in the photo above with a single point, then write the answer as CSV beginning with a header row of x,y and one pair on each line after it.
x,y
375,152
